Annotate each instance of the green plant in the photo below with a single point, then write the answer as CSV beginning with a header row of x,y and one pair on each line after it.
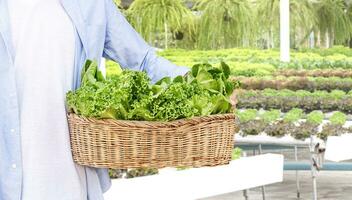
x,y
236,153
260,62
315,117
333,21
112,68
225,23
133,173
334,127
338,118
296,83
293,115
130,96
286,100
304,131
268,14
253,127
271,116
280,128
342,73
329,51
246,115
152,17
292,124
117,173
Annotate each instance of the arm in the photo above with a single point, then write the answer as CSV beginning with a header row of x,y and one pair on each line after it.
x,y
125,46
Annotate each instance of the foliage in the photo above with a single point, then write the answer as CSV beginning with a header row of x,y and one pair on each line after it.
x,y
296,83
338,118
293,115
287,99
342,73
332,19
225,23
130,96
240,23
329,51
271,116
112,68
117,173
335,126
247,115
236,153
253,62
151,17
292,123
253,127
315,117
302,17
133,173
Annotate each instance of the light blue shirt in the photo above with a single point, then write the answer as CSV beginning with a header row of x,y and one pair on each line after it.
x,y
101,31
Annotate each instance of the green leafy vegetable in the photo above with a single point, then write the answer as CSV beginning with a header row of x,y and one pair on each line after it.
x,y
130,96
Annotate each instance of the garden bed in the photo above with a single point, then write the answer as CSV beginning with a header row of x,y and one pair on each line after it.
x,y
286,100
294,123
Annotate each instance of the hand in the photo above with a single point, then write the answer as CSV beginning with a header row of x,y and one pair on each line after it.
x,y
233,99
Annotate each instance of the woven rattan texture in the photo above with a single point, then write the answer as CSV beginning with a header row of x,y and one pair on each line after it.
x,y
196,142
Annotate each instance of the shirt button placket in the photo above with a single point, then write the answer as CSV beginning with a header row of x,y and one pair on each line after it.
x,y
14,166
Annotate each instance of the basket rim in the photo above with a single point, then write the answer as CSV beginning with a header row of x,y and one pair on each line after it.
x,y
134,123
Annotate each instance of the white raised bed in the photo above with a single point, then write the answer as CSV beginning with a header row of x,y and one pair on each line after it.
x,y
191,184
339,148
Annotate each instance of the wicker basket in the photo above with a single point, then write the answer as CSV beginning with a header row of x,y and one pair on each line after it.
x,y
197,142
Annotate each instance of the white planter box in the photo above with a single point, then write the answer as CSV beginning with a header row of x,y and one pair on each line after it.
x,y
199,183
339,148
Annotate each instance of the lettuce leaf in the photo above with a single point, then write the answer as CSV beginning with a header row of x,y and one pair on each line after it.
x,y
205,90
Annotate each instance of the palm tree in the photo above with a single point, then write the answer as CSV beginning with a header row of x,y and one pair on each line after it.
x,y
225,23
302,18
333,21
152,17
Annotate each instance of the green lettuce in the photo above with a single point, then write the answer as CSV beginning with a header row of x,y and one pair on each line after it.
x,y
205,90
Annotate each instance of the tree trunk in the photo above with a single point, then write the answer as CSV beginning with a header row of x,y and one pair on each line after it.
x,y
272,42
331,39
327,40
268,41
311,40
166,35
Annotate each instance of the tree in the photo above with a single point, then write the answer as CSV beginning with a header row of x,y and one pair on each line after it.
x,y
333,21
152,17
225,23
302,18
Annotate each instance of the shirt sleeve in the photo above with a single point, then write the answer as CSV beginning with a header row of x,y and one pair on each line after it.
x,y
125,46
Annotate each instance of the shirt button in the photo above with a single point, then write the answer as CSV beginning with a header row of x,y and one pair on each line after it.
x,y
12,130
12,94
14,166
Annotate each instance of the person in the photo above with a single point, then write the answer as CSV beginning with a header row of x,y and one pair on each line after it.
x,y
43,46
